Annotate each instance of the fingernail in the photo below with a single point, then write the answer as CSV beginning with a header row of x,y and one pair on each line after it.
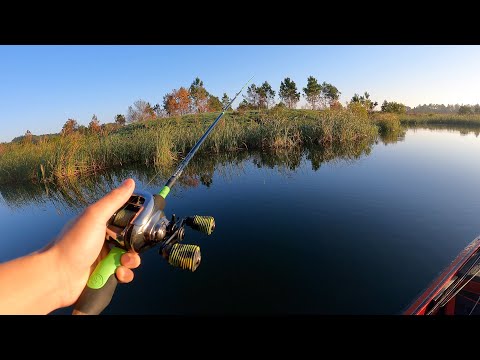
x,y
126,183
127,260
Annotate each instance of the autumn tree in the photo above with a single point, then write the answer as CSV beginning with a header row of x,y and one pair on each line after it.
x,y
120,119
82,129
288,93
214,103
330,94
313,92
170,103
199,96
141,111
178,102
150,112
225,101
94,125
69,127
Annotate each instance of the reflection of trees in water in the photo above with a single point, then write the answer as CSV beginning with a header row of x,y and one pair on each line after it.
x,y
334,153
64,196
278,159
78,194
391,137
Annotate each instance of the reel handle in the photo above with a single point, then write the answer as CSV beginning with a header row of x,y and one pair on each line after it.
x,y
183,256
204,224
100,285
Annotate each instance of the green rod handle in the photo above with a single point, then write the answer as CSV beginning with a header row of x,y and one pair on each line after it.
x,y
100,286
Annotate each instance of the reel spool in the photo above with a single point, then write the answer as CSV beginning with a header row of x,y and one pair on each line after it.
x,y
141,224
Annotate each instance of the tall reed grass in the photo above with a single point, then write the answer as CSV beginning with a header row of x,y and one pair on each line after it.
x,y
441,119
161,143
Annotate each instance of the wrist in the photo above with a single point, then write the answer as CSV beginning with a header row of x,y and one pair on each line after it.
x,y
56,277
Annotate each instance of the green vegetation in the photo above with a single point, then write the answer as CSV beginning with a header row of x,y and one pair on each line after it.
x,y
365,101
393,107
288,93
444,109
158,136
312,92
77,193
160,143
471,120
387,123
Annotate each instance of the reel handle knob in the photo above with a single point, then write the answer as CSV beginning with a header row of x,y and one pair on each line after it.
x,y
184,256
204,224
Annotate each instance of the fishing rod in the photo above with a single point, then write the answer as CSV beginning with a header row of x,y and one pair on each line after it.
x,y
141,224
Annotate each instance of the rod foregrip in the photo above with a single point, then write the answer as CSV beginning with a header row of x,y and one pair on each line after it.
x,y
100,286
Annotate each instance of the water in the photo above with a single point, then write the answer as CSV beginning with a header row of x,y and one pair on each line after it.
x,y
293,235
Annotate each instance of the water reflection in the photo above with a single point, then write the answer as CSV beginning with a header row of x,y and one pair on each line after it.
x,y
462,130
76,194
392,137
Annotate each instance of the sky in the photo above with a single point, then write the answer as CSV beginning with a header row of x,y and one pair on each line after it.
x,y
43,86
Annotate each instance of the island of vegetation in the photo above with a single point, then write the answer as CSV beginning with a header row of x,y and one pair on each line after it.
x,y
160,135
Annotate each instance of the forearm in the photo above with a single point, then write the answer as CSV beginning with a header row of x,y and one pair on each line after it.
x,y
29,285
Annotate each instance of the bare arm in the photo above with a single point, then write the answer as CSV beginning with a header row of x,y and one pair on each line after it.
x,y
55,277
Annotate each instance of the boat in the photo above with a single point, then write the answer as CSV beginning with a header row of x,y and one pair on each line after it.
x,y
456,291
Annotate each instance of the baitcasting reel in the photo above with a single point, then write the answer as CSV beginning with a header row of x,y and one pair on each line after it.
x,y
141,224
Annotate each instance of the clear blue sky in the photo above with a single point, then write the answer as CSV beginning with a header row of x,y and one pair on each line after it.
x,y
42,86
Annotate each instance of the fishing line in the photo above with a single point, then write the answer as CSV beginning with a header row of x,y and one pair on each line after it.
x,y
474,306
453,290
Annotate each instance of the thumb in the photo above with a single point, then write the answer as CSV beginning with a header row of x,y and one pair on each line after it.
x,y
104,208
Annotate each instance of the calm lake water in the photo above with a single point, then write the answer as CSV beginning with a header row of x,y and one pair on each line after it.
x,y
296,233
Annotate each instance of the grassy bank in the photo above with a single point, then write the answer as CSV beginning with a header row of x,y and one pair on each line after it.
x,y
440,119
163,142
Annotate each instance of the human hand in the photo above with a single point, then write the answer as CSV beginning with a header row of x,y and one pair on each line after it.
x,y
81,246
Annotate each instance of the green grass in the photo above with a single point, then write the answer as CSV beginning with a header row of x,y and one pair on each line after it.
x,y
440,119
387,123
162,143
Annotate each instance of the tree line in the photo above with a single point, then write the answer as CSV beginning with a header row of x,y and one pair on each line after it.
x,y
196,99
445,109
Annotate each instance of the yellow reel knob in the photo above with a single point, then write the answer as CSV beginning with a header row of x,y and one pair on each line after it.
x,y
185,256
204,224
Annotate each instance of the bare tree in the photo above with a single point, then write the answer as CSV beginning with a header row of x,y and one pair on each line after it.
x,y
140,111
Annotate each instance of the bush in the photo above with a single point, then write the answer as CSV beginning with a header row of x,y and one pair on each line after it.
x,y
387,122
